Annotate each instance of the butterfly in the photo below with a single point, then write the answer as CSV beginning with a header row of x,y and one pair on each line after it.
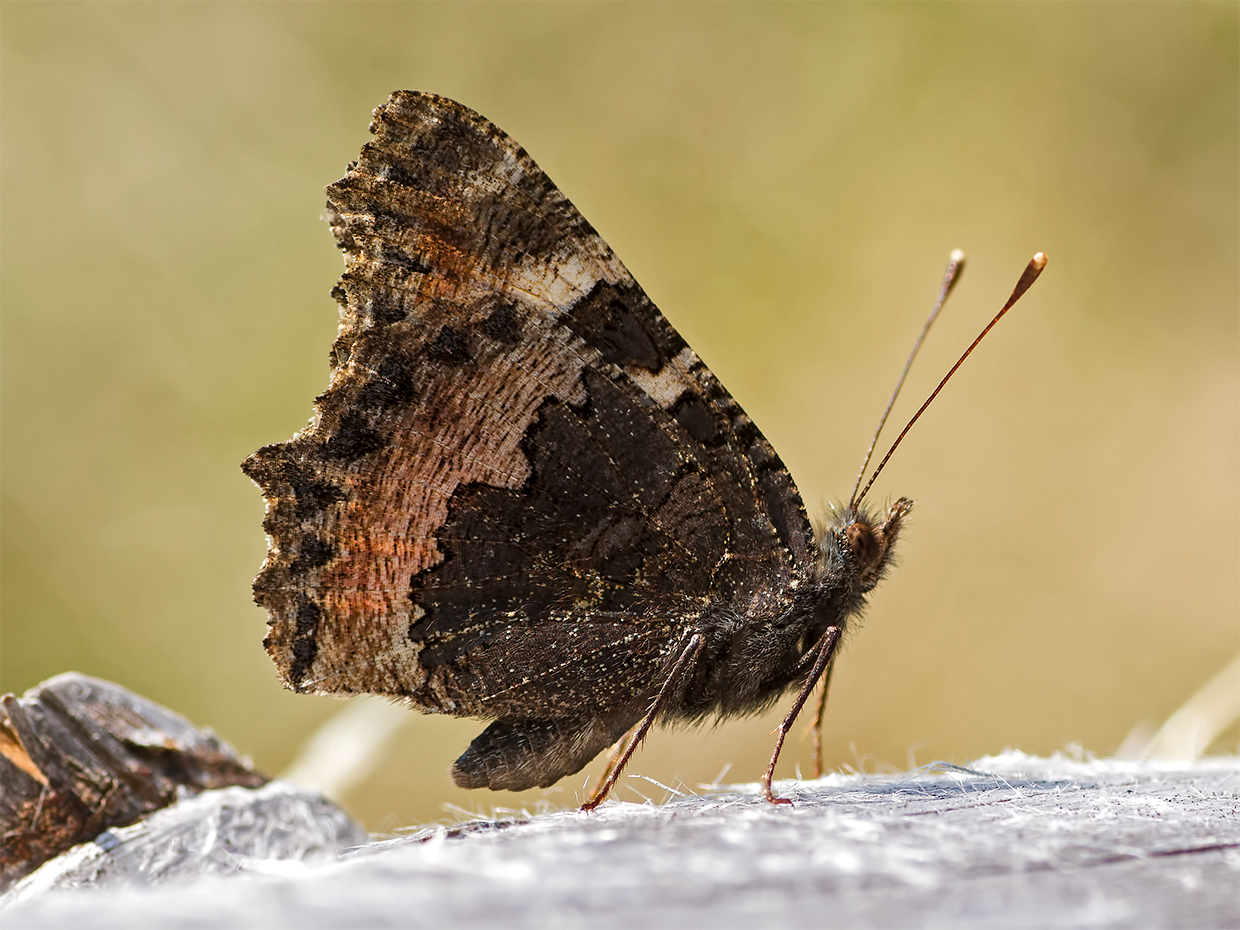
x,y
523,497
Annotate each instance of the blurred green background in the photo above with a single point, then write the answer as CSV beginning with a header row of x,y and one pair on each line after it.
x,y
786,181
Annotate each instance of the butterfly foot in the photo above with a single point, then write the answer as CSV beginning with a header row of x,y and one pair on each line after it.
x,y
773,798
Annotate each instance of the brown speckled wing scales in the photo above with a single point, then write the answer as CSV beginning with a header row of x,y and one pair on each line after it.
x,y
520,482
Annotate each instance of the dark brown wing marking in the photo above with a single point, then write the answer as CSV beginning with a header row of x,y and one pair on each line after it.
x,y
514,448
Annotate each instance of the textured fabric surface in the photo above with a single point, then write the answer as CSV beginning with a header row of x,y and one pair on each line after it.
x,y
1015,841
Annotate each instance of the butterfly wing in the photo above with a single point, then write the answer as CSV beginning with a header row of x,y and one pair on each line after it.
x,y
522,486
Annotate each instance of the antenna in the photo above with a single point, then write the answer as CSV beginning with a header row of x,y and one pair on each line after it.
x,y
955,267
1030,274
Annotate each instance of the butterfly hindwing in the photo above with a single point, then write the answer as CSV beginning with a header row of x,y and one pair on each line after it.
x,y
520,481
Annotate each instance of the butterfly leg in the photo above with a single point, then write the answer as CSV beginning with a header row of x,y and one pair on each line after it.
x,y
687,656
825,651
818,715
617,752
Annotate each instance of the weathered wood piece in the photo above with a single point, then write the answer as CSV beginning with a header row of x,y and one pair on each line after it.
x,y
79,755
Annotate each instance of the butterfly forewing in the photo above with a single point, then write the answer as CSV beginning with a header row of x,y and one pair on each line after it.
x,y
521,481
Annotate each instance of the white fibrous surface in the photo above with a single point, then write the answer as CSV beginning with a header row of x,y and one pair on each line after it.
x,y
1014,841
277,827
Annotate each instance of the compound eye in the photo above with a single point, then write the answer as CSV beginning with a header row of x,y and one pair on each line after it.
x,y
863,543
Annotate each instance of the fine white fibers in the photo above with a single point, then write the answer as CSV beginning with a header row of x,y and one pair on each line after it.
x,y
1013,840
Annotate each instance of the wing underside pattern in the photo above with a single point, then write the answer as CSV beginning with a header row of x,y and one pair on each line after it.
x,y
518,464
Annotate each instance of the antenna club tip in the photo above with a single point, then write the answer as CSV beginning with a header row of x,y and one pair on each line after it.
x,y
957,256
1038,261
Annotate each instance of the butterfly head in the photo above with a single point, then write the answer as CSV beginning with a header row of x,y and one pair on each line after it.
x,y
859,546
